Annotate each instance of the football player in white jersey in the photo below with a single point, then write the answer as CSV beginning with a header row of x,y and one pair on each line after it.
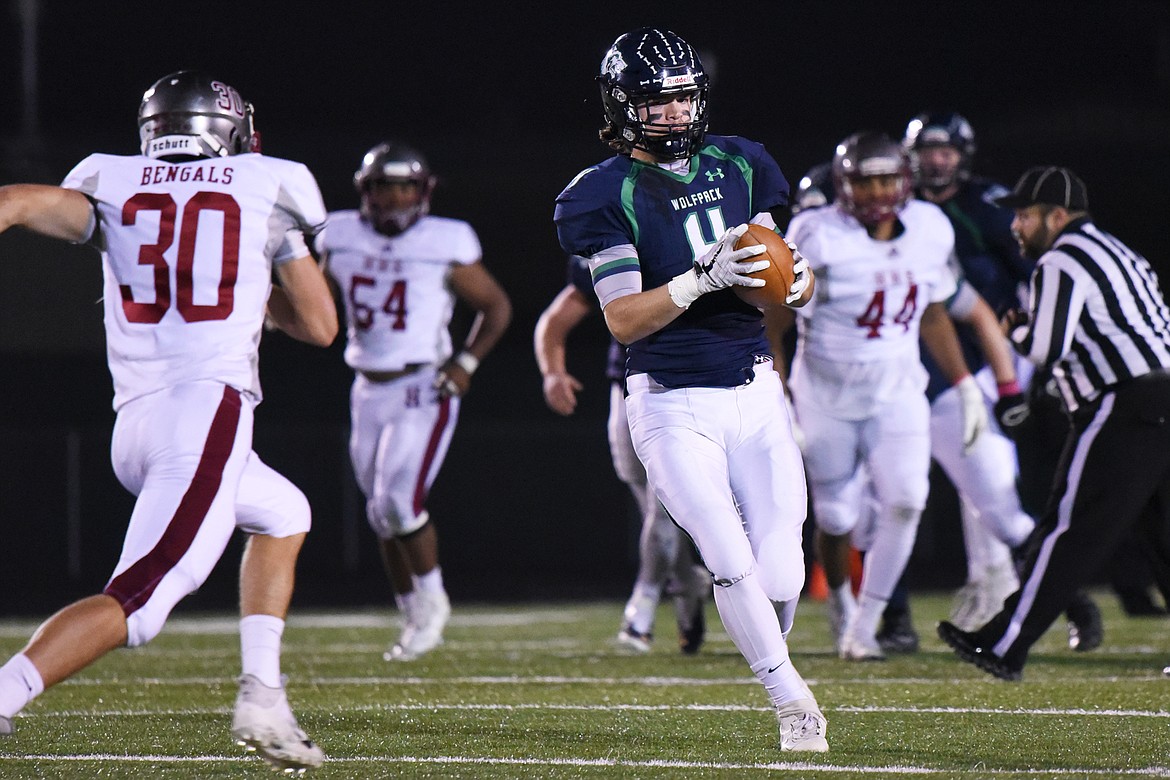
x,y
857,379
190,232
399,271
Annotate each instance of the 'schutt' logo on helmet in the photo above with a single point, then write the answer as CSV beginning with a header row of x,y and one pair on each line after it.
x,y
190,115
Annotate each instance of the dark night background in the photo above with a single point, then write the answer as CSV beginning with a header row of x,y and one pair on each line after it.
x,y
501,99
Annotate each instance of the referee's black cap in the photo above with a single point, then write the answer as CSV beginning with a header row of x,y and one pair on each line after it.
x,y
1050,185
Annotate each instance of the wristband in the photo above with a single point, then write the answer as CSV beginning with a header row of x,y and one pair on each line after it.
x,y
684,289
467,361
1008,388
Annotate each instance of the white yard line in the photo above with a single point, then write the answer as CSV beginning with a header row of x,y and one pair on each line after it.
x,y
537,706
783,766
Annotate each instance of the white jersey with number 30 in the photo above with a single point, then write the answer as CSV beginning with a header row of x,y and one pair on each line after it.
x,y
858,338
187,254
397,300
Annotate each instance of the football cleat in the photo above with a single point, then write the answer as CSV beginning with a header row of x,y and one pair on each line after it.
x,y
860,648
897,634
6,727
430,614
262,722
632,639
693,631
802,727
967,647
689,611
1085,630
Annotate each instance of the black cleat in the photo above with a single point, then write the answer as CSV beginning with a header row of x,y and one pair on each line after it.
x,y
1085,631
691,635
897,635
968,649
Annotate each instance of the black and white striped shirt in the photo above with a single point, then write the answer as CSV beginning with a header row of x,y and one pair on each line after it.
x,y
1097,314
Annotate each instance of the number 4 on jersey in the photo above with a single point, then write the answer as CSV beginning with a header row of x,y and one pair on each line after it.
x,y
871,318
394,305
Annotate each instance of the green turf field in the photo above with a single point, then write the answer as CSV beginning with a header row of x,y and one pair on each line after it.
x,y
541,691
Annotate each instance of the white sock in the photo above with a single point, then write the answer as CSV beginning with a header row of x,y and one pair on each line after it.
x,y
869,614
640,610
404,601
431,582
20,683
781,680
260,647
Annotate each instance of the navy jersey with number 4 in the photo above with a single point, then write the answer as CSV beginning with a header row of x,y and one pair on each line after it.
x,y
629,217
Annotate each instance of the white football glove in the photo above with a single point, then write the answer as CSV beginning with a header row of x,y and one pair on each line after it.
x,y
800,274
722,266
974,410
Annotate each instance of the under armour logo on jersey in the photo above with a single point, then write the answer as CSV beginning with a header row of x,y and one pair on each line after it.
x,y
715,174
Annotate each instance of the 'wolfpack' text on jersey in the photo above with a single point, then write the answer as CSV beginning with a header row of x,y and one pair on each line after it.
x,y
640,225
187,255
869,300
395,288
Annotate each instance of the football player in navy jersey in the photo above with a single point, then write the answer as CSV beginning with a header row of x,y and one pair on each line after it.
x,y
666,561
658,223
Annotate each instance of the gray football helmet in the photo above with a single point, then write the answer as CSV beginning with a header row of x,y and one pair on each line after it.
x,y
871,154
189,115
395,162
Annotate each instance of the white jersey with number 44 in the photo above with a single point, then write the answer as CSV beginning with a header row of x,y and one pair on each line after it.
x,y
858,338
188,251
398,303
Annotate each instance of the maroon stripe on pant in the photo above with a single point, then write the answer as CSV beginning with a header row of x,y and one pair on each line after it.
x,y
134,587
420,487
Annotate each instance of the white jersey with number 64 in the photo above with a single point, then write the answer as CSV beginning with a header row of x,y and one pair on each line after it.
x,y
398,303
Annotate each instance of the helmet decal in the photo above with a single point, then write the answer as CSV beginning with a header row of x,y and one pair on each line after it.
x,y
187,115
648,65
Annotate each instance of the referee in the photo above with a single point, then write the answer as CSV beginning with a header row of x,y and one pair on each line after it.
x,y
1097,318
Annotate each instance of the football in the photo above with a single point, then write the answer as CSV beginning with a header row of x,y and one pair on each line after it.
x,y
778,275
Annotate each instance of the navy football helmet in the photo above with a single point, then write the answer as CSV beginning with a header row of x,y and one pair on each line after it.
x,y
391,161
815,188
871,154
642,66
189,115
940,129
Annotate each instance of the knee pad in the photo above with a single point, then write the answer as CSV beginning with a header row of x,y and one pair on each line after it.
x,y
387,521
834,517
781,569
145,623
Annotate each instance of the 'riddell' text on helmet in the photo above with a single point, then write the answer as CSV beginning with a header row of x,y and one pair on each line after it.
x,y
871,154
940,129
391,161
643,66
189,115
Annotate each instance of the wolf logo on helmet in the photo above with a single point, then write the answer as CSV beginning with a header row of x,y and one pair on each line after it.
x,y
866,154
644,66
189,115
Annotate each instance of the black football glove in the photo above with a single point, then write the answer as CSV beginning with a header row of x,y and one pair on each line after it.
x,y
1012,412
